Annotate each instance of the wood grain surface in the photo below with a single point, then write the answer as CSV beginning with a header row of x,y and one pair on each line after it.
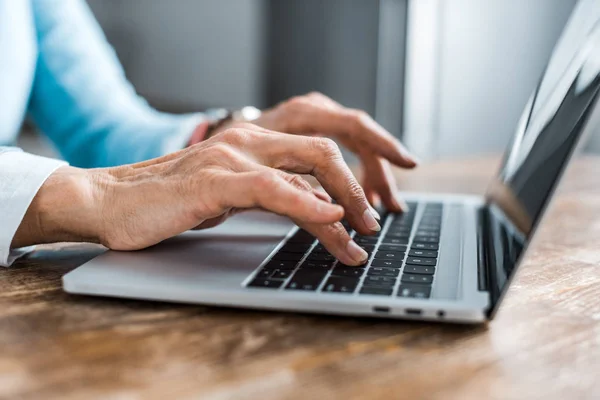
x,y
544,343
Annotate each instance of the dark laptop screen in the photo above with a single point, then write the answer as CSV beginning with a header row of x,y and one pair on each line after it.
x,y
550,128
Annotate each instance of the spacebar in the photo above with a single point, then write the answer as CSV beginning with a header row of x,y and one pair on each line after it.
x,y
308,280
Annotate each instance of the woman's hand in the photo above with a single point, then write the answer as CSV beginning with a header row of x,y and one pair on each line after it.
x,y
135,206
316,114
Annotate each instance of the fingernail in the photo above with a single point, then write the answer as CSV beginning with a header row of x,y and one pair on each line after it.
x,y
411,157
414,159
375,213
370,221
402,204
356,253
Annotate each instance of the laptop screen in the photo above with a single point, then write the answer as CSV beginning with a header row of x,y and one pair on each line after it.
x,y
553,121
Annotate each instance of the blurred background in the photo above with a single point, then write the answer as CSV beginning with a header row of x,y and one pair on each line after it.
x,y
449,77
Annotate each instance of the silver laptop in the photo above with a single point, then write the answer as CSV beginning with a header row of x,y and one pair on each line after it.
x,y
451,258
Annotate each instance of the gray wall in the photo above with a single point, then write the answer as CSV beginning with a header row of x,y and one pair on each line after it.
x,y
190,53
199,53
329,46
492,54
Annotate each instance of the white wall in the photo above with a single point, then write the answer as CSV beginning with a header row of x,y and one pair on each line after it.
x,y
190,52
490,55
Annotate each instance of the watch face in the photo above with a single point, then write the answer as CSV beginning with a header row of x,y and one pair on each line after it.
x,y
216,114
248,113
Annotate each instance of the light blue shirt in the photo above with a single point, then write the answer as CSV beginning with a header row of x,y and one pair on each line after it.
x,y
57,67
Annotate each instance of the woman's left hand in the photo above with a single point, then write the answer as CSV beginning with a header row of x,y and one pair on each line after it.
x,y
317,114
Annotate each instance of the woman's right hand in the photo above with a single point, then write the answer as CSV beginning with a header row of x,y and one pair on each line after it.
x,y
138,205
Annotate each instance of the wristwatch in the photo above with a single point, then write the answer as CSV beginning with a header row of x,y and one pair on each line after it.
x,y
219,116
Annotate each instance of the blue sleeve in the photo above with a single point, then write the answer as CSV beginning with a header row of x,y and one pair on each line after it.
x,y
82,101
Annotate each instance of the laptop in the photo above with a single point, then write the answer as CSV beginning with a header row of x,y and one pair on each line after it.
x,y
450,258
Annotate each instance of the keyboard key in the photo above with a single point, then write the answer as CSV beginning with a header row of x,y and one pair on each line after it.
x,y
413,278
320,257
306,280
281,274
385,285
386,263
429,227
340,285
295,248
389,255
283,256
266,283
421,261
419,269
435,222
395,241
425,246
264,273
423,239
406,217
423,253
302,236
277,264
414,291
366,240
391,272
405,225
376,291
375,279
428,230
348,271
319,249
427,233
316,265
392,247
399,229
403,237
367,247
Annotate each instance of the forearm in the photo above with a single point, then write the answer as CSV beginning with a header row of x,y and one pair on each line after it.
x,y
82,100
63,210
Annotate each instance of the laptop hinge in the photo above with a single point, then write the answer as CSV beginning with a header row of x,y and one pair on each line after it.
x,y
485,255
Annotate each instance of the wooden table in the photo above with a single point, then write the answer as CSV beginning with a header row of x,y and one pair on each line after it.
x,y
544,343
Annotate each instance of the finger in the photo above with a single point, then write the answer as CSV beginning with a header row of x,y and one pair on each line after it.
x,y
333,236
311,117
337,241
321,99
370,193
271,192
371,196
382,181
322,195
322,159
302,184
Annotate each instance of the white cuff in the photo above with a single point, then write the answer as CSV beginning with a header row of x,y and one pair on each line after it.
x,y
21,176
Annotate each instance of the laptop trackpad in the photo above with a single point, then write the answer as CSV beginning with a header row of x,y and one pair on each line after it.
x,y
222,256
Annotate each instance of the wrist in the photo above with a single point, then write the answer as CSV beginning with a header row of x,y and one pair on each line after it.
x,y
65,209
227,119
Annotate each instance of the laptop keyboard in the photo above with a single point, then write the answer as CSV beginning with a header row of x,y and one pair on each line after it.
x,y
402,260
